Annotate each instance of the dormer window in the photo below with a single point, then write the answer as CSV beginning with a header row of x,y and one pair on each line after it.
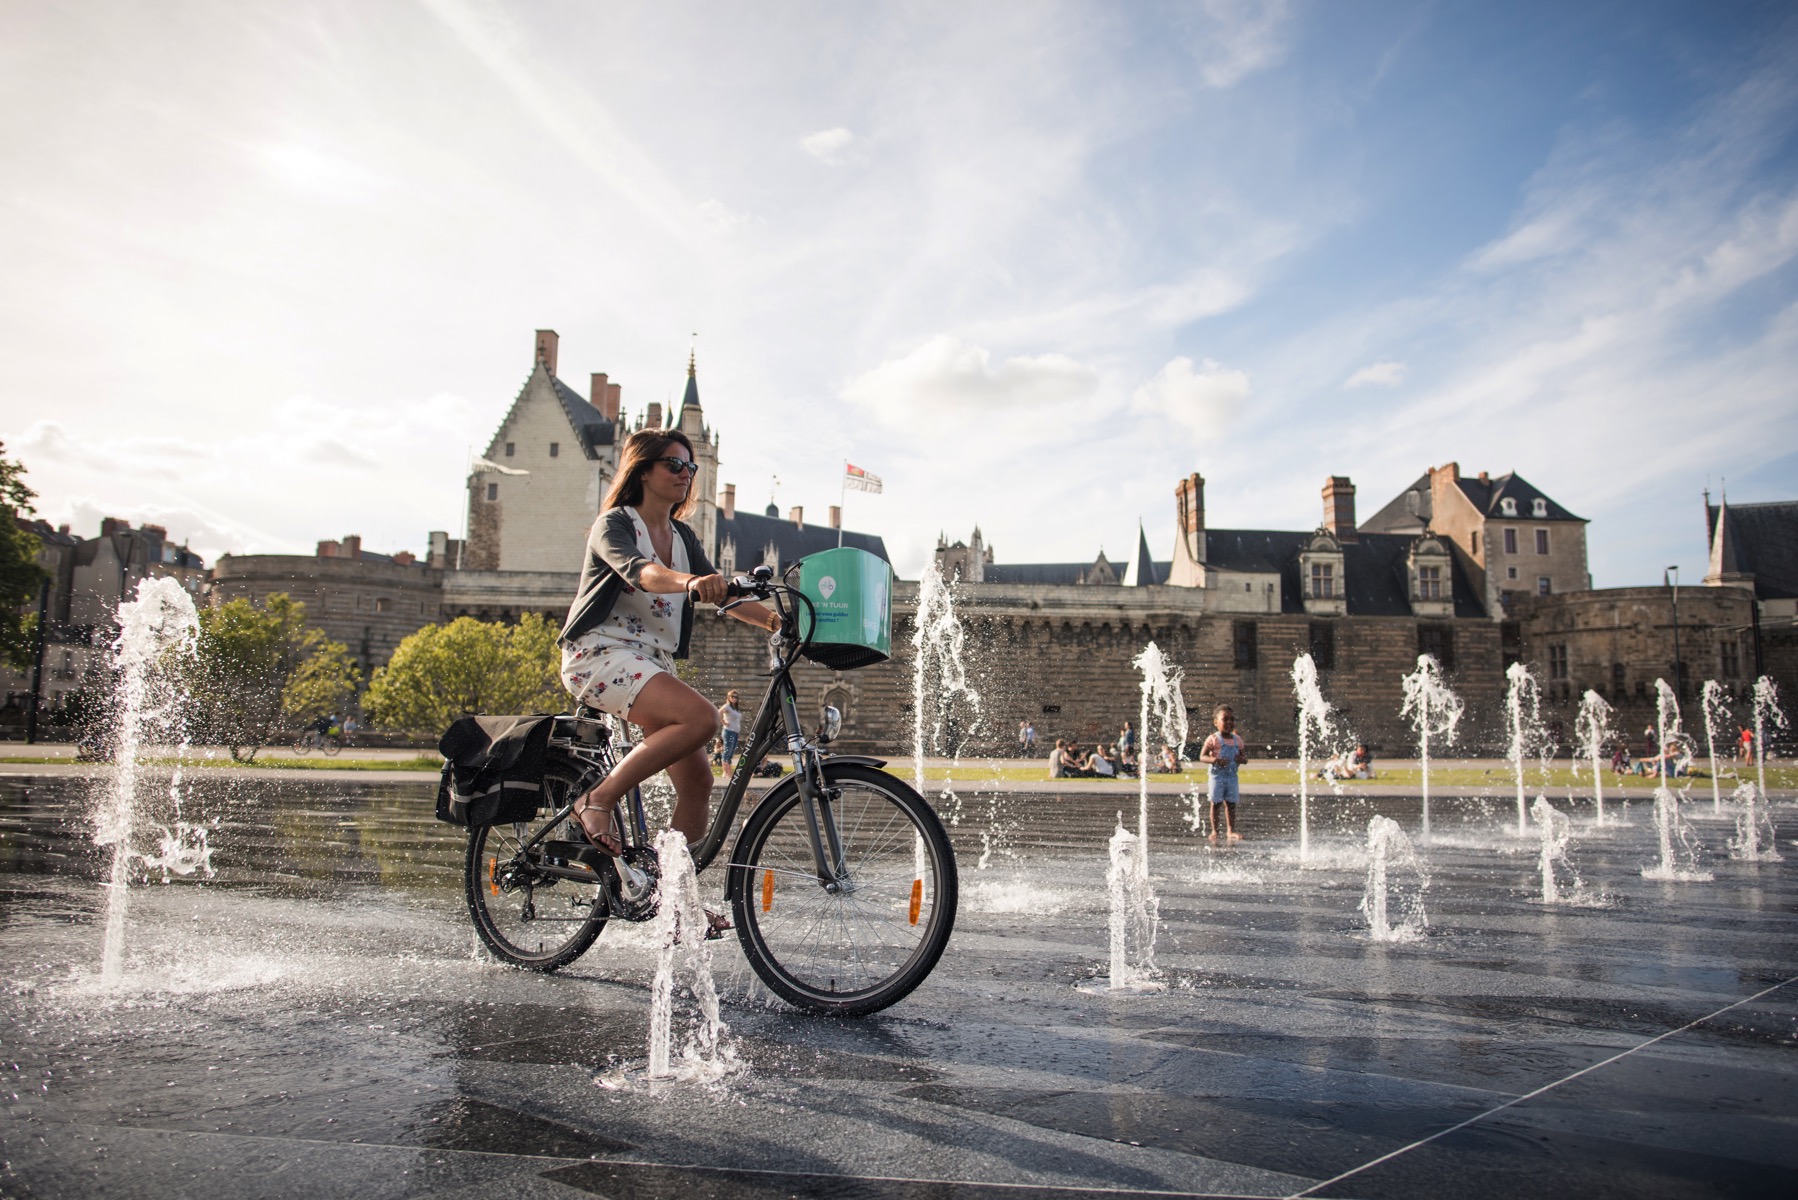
x,y
1322,577
1540,508
1508,506
1323,580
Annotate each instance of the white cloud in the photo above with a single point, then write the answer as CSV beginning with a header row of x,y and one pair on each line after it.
x,y
946,378
1233,39
1202,398
1380,374
832,146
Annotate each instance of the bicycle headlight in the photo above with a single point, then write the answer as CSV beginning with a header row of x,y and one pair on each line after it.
x,y
831,725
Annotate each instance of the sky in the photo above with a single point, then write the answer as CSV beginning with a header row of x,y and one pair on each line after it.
x,y
273,268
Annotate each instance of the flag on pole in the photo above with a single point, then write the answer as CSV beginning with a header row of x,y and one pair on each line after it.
x,y
858,479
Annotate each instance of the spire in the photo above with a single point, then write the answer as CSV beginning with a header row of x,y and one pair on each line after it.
x,y
1145,565
690,398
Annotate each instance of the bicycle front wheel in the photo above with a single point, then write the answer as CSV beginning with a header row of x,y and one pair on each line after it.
x,y
524,916
331,746
856,949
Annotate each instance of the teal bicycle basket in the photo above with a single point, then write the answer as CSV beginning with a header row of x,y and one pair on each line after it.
x,y
852,593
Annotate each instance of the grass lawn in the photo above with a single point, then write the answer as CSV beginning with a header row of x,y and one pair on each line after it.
x,y
1783,776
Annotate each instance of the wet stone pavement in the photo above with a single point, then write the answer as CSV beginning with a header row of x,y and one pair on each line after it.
x,y
316,1021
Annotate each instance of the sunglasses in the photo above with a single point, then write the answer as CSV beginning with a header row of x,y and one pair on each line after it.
x,y
677,465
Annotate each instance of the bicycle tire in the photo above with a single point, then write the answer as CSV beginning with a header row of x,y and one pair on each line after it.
x,y
301,744
855,952
331,746
505,914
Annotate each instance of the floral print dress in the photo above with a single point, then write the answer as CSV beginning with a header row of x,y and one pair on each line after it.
x,y
607,667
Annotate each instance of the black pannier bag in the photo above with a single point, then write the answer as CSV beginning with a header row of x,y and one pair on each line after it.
x,y
493,769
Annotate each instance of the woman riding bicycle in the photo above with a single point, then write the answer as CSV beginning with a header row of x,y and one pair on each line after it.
x,y
633,616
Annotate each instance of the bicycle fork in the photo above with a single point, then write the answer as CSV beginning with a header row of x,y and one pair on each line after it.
x,y
820,822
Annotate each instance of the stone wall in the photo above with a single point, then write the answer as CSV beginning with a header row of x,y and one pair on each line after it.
x,y
369,606
1618,641
1066,662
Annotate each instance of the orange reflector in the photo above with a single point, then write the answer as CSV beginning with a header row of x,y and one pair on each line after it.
x,y
917,899
493,875
767,891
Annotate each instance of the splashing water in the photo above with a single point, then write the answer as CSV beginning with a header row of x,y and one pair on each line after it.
x,y
1135,916
1433,709
1756,840
1672,735
1163,713
1593,727
1679,849
1766,712
1389,854
155,628
707,1054
1716,715
1314,721
1523,704
1557,833
937,644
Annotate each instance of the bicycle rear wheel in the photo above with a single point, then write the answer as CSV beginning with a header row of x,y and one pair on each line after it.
x,y
867,945
525,917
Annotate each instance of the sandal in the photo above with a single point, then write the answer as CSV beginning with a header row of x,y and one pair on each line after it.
x,y
607,840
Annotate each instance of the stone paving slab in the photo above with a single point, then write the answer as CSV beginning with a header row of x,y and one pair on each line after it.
x,y
316,1022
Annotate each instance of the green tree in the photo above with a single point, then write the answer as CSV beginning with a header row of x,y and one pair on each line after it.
x,y
258,671
468,666
20,575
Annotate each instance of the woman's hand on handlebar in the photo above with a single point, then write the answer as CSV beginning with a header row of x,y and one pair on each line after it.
x,y
711,589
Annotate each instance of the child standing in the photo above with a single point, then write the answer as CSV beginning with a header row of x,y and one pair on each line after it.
x,y
1222,754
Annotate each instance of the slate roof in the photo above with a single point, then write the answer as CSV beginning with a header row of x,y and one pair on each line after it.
x,y
1147,571
1375,578
1411,509
589,424
1763,541
1035,573
753,531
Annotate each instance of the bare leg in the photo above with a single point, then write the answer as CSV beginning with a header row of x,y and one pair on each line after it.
x,y
678,723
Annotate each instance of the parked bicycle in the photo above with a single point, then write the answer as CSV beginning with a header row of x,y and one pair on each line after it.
x,y
842,883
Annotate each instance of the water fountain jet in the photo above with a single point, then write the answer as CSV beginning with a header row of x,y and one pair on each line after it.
x,y
1716,712
1389,851
1523,704
1433,709
1592,727
1314,718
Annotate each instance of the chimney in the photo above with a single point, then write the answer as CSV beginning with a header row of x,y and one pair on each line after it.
x,y
63,528
1485,478
1339,507
796,514
352,546
157,531
596,395
546,349
405,558
653,419
1451,470
614,397
330,550
1189,503
730,502
836,516
112,525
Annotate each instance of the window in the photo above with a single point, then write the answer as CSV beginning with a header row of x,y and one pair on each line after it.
x,y
1476,544
1323,580
1429,583
1544,585
1438,641
1323,645
1539,508
1541,541
1244,635
1248,587
1510,541
1730,653
511,449
1557,661
1619,681
1508,506
555,449
383,604
1510,572
493,491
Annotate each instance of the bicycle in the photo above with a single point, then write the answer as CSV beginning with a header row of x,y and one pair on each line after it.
x,y
329,744
842,882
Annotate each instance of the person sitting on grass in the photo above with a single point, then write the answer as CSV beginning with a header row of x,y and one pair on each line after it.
x,y
1073,766
1170,762
1128,763
1099,765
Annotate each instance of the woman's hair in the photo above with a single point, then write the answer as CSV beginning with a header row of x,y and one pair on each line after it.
x,y
641,450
